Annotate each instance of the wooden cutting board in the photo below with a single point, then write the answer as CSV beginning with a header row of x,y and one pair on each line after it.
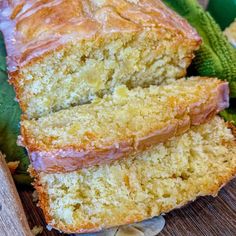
x,y
13,221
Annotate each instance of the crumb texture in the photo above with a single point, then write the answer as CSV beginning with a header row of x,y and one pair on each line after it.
x,y
123,117
145,185
68,52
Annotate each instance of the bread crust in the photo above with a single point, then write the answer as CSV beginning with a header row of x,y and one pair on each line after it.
x,y
30,34
33,30
44,205
210,190
45,157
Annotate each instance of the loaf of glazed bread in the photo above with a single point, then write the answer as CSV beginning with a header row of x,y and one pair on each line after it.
x,y
116,125
66,52
146,184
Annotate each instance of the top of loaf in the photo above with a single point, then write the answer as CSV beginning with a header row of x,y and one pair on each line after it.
x,y
33,28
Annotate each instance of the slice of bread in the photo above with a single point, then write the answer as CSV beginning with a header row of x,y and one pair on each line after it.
x,y
121,123
62,53
146,184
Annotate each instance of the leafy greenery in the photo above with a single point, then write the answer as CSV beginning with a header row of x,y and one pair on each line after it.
x,y
230,113
9,122
216,57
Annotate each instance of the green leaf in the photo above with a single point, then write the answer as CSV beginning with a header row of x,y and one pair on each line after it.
x,y
9,123
3,66
229,115
216,56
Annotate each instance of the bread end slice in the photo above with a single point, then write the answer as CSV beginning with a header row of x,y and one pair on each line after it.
x,y
158,180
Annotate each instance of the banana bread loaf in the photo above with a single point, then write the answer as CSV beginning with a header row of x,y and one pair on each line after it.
x,y
65,52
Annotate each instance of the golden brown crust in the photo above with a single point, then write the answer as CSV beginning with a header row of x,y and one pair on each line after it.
x,y
83,228
44,204
33,28
212,190
49,158
232,127
42,196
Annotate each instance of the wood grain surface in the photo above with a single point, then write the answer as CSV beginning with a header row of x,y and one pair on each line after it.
x,y
13,221
206,216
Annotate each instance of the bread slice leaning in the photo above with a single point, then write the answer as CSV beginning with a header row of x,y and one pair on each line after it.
x,y
120,124
160,179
